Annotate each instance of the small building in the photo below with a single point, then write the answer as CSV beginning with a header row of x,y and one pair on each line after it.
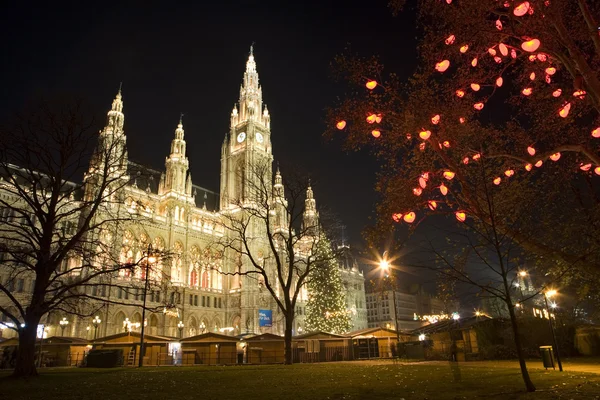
x,y
321,346
451,338
210,349
158,350
376,342
263,349
587,340
57,351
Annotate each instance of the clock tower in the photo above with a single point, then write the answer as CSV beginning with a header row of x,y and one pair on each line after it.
x,y
247,146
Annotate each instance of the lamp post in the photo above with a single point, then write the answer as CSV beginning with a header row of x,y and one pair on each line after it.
x,y
180,325
96,322
202,327
150,258
63,324
551,293
386,267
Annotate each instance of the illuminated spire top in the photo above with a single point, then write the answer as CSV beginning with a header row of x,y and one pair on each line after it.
x,y
115,117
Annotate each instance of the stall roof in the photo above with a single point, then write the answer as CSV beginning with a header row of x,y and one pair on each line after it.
x,y
319,335
451,325
135,337
265,337
210,337
371,331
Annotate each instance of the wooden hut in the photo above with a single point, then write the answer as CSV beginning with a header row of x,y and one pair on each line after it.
x,y
376,342
210,349
158,350
321,346
263,349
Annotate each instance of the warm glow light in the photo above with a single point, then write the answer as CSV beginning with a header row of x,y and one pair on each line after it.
x,y
596,132
410,217
422,182
521,9
579,94
499,24
531,151
491,51
422,146
498,59
509,172
435,119
475,87
555,157
532,76
548,79
557,92
466,160
432,205
474,62
449,175
450,39
564,111
503,49
478,106
531,45
538,164
397,217
476,156
460,216
461,120
513,53
371,118
371,85
460,93
527,91
542,57
424,135
551,293
443,189
585,167
376,133
528,167
442,65
340,125
417,191
464,48
425,175
523,273
499,81
550,70
378,118
497,180
597,170
446,143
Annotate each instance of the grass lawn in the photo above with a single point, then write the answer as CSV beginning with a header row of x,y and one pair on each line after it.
x,y
342,380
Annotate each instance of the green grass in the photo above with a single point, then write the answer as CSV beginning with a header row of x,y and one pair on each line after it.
x,y
352,380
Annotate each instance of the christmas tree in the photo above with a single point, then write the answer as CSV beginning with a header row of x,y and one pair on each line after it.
x,y
326,308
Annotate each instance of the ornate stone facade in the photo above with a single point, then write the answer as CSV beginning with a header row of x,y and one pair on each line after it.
x,y
199,281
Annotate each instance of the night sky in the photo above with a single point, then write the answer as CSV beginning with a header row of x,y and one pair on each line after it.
x,y
190,58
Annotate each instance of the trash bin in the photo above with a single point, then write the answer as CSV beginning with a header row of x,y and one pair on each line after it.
x,y
547,356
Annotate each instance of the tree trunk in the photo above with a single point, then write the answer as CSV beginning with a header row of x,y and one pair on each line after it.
x,y
288,339
26,360
513,320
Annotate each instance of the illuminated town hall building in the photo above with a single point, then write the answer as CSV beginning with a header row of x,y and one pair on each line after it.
x,y
198,282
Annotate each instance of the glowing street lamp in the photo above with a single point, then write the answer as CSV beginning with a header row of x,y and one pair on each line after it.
x,y
180,325
96,322
202,327
523,273
386,266
63,324
549,294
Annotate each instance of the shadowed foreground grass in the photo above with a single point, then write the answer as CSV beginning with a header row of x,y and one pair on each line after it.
x,y
353,380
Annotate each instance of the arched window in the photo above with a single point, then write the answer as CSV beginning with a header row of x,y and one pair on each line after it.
x,y
205,281
194,278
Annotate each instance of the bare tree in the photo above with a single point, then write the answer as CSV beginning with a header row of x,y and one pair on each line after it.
x,y
275,230
57,233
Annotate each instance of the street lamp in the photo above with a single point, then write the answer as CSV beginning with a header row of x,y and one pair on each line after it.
x,y
150,259
547,294
96,322
386,267
202,327
180,325
63,324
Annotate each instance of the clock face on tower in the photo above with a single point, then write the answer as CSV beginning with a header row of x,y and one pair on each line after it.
x,y
241,137
259,137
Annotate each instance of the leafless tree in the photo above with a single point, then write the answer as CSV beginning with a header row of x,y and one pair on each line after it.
x,y
274,228
57,233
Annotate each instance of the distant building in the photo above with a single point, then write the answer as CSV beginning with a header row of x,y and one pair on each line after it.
x,y
409,309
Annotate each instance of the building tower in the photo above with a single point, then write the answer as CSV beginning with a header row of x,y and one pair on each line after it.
x,y
247,146
176,182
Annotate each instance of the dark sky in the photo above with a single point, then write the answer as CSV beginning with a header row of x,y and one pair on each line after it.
x,y
177,57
